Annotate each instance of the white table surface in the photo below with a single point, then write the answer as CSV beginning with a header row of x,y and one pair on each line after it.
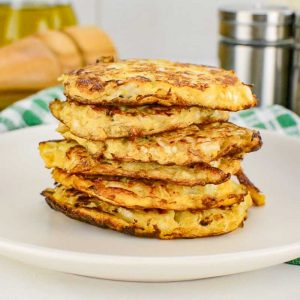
x,y
19,281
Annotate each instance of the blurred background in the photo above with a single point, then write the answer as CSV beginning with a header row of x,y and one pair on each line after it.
x,y
184,30
258,39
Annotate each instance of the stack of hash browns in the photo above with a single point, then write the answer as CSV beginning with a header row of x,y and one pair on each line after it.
x,y
148,149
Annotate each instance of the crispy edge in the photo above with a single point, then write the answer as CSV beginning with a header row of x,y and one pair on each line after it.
x,y
229,150
105,220
84,84
136,130
99,148
86,164
97,188
257,196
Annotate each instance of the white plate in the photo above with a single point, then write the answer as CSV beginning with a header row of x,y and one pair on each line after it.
x,y
33,233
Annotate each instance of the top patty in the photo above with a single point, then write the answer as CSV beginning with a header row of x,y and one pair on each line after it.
x,y
164,224
140,82
99,123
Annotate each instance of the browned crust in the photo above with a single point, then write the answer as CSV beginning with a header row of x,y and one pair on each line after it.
x,y
105,220
192,155
92,79
153,99
176,82
102,187
235,150
86,164
100,122
257,196
186,140
112,109
81,214
243,179
218,175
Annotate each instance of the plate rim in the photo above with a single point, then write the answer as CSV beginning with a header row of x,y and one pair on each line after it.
x,y
69,255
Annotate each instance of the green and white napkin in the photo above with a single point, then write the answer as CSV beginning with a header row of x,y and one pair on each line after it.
x,y
31,111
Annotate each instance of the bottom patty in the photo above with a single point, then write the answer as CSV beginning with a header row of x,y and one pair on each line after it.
x,y
162,224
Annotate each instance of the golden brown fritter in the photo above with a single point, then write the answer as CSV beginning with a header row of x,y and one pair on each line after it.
x,y
73,158
162,224
99,122
138,193
186,146
139,82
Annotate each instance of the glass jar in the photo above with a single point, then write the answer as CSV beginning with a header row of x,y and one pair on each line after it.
x,y
21,18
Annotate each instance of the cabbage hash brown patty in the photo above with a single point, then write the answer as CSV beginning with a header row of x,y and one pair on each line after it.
x,y
138,193
73,158
140,81
187,146
162,224
99,122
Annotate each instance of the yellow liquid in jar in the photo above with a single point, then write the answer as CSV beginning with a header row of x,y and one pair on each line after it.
x,y
5,11
30,18
66,15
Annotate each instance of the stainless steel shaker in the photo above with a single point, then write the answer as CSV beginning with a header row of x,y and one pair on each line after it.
x,y
258,44
295,103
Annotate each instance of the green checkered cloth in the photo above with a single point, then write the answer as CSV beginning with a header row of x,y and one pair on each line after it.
x,y
275,117
31,111
34,111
